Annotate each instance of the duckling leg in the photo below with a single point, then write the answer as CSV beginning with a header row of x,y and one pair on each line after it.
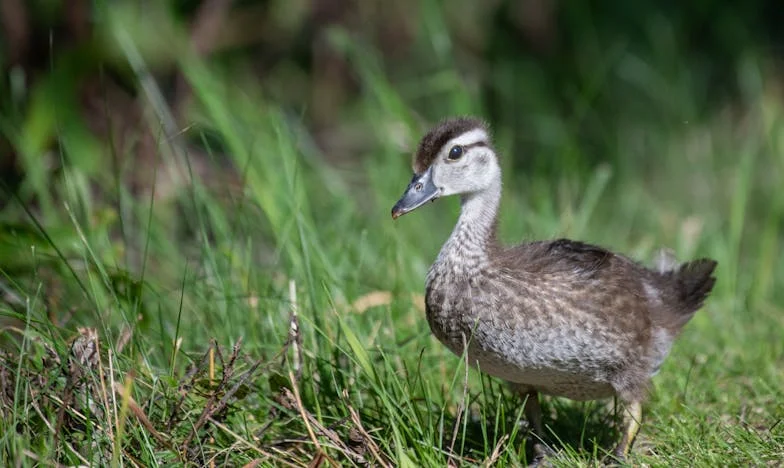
x,y
533,412
632,415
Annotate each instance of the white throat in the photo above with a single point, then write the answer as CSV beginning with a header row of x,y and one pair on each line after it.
x,y
478,210
468,245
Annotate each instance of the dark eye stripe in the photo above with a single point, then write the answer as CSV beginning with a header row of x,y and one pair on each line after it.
x,y
456,152
478,144
475,145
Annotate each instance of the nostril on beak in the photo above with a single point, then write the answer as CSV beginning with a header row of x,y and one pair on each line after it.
x,y
418,187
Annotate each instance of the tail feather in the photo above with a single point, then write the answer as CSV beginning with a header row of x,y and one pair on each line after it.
x,y
695,281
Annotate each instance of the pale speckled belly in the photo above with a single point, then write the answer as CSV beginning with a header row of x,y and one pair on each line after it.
x,y
551,381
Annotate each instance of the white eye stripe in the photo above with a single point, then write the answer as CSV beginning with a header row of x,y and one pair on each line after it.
x,y
468,138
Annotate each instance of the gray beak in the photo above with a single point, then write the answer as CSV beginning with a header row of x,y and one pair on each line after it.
x,y
420,191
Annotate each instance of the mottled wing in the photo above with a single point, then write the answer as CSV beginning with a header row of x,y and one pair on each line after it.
x,y
584,281
563,257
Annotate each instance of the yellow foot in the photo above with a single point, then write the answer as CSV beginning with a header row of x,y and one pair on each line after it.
x,y
632,416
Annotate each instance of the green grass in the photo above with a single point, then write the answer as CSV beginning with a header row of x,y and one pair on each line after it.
x,y
191,294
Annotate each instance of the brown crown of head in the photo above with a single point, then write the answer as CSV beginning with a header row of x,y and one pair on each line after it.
x,y
436,138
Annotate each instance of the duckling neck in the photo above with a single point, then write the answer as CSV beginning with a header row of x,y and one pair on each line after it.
x,y
474,236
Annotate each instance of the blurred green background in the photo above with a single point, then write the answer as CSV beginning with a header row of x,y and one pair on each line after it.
x,y
169,170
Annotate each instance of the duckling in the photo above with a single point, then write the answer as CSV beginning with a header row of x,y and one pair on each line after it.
x,y
561,317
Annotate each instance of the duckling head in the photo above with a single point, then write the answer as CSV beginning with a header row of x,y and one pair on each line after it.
x,y
454,158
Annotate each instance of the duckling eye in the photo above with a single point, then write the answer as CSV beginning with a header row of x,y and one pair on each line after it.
x,y
455,153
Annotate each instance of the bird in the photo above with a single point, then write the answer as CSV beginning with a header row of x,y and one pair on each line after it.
x,y
556,317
